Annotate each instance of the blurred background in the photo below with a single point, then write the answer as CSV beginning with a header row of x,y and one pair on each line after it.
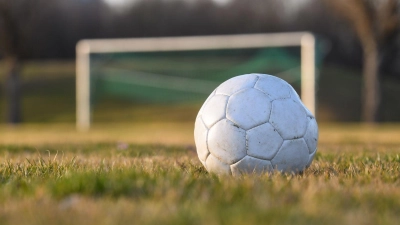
x,y
358,59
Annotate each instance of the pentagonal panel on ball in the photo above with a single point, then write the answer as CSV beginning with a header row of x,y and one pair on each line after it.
x,y
248,108
200,139
274,87
227,141
214,110
311,136
292,156
263,141
251,165
289,118
214,165
236,84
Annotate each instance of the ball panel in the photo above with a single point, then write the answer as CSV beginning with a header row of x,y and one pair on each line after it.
x,y
205,103
311,136
295,96
214,110
203,163
289,118
227,142
251,165
237,105
248,108
292,156
263,142
200,139
236,84
214,165
310,159
274,87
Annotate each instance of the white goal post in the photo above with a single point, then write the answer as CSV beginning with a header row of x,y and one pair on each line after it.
x,y
304,40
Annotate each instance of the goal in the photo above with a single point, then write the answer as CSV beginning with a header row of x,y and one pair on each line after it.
x,y
86,49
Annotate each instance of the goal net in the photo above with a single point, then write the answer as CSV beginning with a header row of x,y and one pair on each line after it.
x,y
178,70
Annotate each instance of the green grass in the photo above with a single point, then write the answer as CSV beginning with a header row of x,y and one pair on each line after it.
x,y
114,183
138,164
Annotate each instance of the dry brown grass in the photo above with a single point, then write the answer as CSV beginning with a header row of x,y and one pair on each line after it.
x,y
149,174
180,133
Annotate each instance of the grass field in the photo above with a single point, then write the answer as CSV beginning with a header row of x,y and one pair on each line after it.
x,y
136,174
140,166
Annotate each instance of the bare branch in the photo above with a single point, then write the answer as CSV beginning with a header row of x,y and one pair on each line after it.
x,y
357,13
388,18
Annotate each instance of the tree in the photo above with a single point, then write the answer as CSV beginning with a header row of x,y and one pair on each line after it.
x,y
376,23
16,20
10,41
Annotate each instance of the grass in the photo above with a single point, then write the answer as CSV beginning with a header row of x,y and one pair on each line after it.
x,y
100,181
141,172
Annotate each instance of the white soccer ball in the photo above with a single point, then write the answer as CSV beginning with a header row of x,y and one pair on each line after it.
x,y
255,123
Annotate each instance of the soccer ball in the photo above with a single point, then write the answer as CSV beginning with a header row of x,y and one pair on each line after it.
x,y
255,123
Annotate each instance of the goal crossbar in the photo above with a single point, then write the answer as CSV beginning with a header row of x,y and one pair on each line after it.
x,y
304,40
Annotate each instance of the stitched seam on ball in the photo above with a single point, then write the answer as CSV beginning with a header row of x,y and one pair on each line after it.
x,y
219,159
210,97
275,129
247,143
221,94
269,96
304,136
238,160
301,136
308,122
202,121
241,90
256,157
216,122
270,112
226,105
282,98
229,163
307,127
290,93
313,154
205,161
261,91
258,124
208,130
208,149
273,156
280,148
268,160
205,103
255,83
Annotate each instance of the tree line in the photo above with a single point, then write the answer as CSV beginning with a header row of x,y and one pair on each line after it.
x,y
362,32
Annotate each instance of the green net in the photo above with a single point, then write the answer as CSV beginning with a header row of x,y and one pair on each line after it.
x,y
185,76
